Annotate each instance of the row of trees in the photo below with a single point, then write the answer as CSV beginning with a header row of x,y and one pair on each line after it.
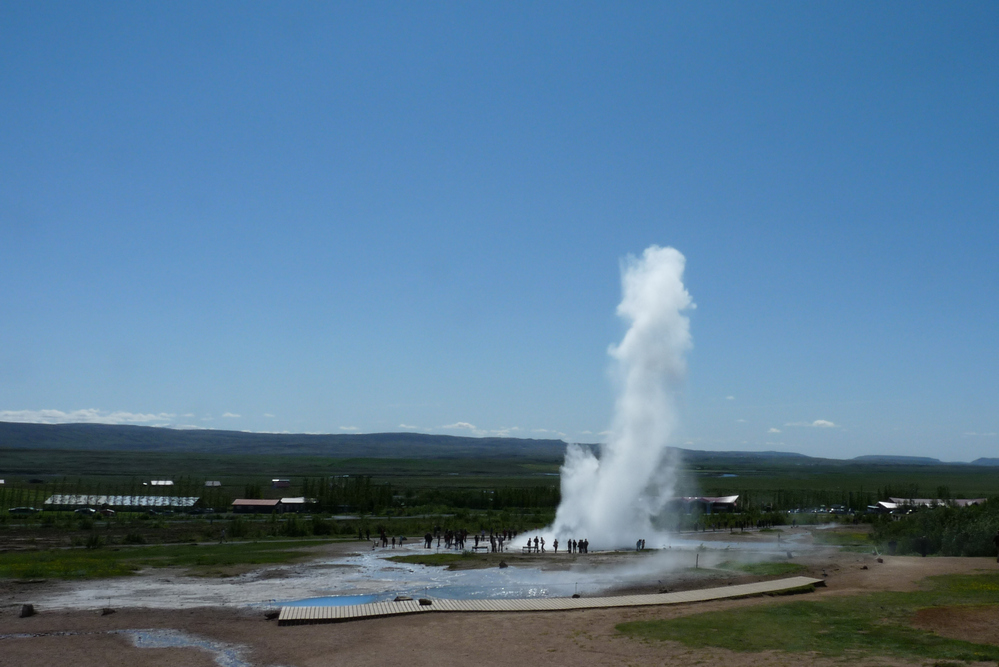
x,y
948,531
343,493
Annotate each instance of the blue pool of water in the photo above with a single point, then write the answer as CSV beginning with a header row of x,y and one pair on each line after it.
x,y
459,592
338,600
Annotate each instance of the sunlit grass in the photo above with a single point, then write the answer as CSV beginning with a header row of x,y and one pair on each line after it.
x,y
122,561
859,626
766,569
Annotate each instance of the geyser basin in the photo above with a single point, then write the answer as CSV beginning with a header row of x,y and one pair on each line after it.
x,y
370,574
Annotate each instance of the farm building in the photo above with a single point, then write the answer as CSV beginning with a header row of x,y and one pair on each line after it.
x,y
906,505
161,482
257,506
213,484
280,483
121,503
295,504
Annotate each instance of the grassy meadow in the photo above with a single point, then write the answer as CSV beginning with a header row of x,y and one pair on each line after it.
x,y
856,627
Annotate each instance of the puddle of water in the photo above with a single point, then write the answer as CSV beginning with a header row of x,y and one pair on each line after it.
x,y
225,655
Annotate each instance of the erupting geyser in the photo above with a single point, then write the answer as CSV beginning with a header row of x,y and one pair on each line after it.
x,y
612,499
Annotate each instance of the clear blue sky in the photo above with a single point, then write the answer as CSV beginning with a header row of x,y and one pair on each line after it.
x,y
379,216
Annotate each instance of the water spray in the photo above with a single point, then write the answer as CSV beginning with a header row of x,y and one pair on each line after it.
x,y
612,498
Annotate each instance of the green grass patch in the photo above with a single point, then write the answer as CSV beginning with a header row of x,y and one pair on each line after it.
x,y
842,538
433,559
768,569
64,564
875,625
101,563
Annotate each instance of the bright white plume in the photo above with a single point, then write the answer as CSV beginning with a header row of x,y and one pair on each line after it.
x,y
612,499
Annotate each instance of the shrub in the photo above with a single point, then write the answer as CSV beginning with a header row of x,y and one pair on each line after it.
x,y
293,527
238,527
949,531
320,527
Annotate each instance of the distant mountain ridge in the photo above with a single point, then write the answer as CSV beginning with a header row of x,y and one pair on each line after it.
x,y
907,460
114,437
106,437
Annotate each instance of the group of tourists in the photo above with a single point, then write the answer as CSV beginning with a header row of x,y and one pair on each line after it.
x,y
537,545
383,539
496,542
455,539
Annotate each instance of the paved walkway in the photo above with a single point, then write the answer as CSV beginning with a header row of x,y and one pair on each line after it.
x,y
309,615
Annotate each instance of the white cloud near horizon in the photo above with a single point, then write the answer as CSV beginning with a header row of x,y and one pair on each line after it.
x,y
503,432
774,430
409,426
269,415
460,425
348,428
230,415
818,423
89,416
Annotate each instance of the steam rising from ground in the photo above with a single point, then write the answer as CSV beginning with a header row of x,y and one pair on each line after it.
x,y
613,500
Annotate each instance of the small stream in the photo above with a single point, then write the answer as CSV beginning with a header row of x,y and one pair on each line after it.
x,y
225,655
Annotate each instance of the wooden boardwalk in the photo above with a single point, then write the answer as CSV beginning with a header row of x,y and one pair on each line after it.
x,y
310,615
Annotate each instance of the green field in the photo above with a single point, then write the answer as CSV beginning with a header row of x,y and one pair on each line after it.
x,y
857,627
123,561
763,481
766,569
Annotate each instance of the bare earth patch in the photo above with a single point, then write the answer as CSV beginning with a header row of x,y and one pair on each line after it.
x,y
978,624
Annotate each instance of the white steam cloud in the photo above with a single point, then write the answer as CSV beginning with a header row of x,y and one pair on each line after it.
x,y
612,500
